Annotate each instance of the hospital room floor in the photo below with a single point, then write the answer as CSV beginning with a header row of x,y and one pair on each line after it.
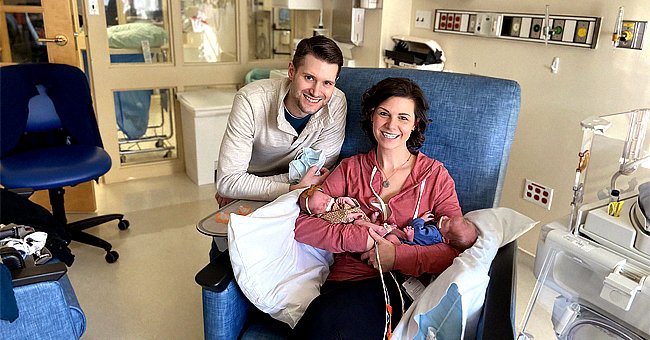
x,y
150,293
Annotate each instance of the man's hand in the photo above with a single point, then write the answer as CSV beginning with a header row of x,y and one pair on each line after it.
x,y
310,178
386,252
222,200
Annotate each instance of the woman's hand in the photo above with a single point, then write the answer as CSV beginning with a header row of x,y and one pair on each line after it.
x,y
386,252
383,230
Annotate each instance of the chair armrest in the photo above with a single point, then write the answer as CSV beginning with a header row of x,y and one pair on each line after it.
x,y
498,315
217,274
40,273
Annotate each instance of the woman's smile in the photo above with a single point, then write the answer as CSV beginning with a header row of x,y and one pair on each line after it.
x,y
393,121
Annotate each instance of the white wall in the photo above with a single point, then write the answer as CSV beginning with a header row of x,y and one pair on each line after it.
x,y
589,82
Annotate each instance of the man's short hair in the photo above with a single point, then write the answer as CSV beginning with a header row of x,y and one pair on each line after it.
x,y
322,48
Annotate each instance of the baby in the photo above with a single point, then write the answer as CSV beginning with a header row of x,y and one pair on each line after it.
x,y
334,210
458,232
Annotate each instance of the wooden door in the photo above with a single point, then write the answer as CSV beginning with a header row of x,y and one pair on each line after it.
x,y
34,31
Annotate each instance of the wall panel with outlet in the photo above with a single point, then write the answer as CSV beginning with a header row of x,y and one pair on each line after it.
x,y
577,31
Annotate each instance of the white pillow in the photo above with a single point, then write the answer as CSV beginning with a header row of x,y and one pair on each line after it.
x,y
451,305
279,275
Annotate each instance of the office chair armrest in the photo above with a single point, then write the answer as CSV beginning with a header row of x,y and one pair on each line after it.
x,y
40,273
498,316
217,274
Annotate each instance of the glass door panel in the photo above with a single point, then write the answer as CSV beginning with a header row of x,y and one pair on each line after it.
x,y
24,30
138,31
209,31
22,2
145,125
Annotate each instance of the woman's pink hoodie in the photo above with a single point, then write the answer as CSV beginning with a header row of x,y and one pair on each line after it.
x,y
429,184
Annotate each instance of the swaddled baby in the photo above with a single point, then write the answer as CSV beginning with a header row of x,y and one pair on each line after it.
x,y
334,210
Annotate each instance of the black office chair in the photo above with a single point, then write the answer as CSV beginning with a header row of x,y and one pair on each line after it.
x,y
49,139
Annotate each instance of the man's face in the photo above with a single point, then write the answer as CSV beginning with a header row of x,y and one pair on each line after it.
x,y
312,85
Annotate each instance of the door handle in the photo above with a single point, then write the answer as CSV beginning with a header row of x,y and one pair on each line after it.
x,y
59,39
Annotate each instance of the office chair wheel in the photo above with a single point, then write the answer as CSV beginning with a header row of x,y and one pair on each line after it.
x,y
123,224
112,256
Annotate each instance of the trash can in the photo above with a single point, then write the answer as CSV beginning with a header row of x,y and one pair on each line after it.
x,y
204,115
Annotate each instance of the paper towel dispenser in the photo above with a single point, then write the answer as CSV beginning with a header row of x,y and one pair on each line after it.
x,y
347,27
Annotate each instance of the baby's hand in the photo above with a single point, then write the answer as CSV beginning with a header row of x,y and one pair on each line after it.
x,y
374,216
354,216
410,233
346,200
427,216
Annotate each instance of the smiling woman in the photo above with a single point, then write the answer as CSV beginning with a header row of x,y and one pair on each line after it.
x,y
394,118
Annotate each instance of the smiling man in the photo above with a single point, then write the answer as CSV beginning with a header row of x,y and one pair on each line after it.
x,y
274,119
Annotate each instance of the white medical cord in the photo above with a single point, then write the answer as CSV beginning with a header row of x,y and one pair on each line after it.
x,y
386,297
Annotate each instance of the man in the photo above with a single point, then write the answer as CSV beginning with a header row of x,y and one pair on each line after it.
x,y
274,119
270,122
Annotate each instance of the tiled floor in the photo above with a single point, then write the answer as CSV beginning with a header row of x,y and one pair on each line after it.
x,y
150,293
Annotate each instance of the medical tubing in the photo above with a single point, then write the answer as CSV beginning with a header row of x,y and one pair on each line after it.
x,y
383,284
538,288
399,290
381,201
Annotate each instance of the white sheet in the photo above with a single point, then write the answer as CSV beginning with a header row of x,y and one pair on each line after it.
x,y
469,274
279,275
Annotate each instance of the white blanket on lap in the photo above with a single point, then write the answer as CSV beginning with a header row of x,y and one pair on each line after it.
x,y
281,276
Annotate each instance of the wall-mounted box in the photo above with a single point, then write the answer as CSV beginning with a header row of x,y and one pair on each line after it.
x,y
632,34
577,31
348,23
370,4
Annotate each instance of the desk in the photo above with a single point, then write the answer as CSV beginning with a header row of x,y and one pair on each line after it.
x,y
216,224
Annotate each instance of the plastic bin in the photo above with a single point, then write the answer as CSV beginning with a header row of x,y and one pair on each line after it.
x,y
204,115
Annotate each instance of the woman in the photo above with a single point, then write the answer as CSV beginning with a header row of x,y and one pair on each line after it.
x,y
400,183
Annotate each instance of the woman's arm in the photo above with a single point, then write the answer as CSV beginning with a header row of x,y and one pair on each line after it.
x,y
417,260
332,237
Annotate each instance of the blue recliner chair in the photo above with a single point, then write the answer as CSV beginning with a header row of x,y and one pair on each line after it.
x,y
50,139
473,125
47,305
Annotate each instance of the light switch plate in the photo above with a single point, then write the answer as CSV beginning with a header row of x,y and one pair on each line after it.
x,y
93,7
423,19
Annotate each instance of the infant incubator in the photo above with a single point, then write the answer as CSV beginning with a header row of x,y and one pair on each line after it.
x,y
593,268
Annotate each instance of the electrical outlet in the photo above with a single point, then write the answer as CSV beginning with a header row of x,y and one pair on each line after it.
x,y
538,194
488,24
423,19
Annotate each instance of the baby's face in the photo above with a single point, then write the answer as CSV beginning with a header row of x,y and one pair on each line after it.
x,y
455,223
320,202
